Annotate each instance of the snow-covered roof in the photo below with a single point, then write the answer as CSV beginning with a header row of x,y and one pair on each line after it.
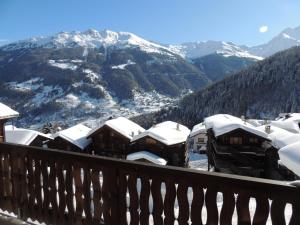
x,y
76,135
290,157
288,121
22,136
224,123
168,133
148,156
122,125
280,137
198,129
255,122
6,112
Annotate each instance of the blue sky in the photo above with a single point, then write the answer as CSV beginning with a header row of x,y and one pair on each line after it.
x,y
165,21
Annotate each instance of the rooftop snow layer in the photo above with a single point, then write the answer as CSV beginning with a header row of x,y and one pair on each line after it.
x,y
148,156
224,123
76,135
6,112
290,157
280,137
289,122
123,126
197,129
22,136
168,133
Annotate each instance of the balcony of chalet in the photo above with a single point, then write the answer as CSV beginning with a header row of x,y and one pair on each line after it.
x,y
57,187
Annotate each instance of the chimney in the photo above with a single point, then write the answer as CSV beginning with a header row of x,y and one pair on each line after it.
x,y
177,126
268,129
132,134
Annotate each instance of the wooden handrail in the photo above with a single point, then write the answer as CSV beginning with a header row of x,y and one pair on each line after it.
x,y
58,187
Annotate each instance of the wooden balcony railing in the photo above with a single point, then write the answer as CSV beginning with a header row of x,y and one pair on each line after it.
x,y
63,188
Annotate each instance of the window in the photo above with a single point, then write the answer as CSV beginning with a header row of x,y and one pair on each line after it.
x,y
200,140
150,141
236,140
253,140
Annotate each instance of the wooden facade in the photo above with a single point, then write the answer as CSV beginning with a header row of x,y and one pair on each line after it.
x,y
238,152
40,141
175,155
2,130
108,142
63,144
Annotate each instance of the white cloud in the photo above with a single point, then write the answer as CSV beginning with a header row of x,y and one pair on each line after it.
x,y
263,29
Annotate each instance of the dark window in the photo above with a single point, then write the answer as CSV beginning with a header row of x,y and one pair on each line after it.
x,y
253,140
200,140
235,141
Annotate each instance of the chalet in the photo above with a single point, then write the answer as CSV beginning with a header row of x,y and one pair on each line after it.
x,y
26,136
198,138
72,139
148,157
166,140
236,146
112,138
6,113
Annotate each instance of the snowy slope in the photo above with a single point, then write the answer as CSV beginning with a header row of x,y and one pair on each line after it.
x,y
89,39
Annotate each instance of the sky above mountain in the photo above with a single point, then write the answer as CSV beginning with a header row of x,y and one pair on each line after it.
x,y
249,22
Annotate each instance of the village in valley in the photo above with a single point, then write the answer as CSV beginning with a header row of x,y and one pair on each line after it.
x,y
221,143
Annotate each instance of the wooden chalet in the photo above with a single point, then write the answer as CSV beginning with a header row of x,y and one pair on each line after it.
x,y
73,139
112,138
166,140
198,139
6,113
147,157
26,137
236,146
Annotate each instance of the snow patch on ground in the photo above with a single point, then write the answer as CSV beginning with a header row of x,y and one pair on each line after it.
x,y
29,85
122,66
63,65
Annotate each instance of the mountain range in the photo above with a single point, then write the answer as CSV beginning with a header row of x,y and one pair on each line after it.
x,y
75,76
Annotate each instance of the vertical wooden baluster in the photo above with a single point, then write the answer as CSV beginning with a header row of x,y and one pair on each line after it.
x,y
31,186
277,212
169,203
24,188
183,203
134,201
38,188
144,200
211,206
227,208
46,186
78,194
53,192
197,205
242,206
61,192
2,187
295,219
87,195
106,196
70,193
158,205
122,197
262,210
14,181
97,196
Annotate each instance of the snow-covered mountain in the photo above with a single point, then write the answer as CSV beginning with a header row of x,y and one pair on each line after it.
x,y
89,39
288,38
194,50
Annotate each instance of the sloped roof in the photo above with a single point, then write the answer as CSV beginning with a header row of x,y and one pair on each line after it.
x,y
76,135
6,112
224,123
288,122
290,157
197,129
22,136
148,156
122,125
168,133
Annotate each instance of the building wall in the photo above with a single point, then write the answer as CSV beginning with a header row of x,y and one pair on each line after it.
x,y
198,142
108,142
176,155
62,144
2,130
